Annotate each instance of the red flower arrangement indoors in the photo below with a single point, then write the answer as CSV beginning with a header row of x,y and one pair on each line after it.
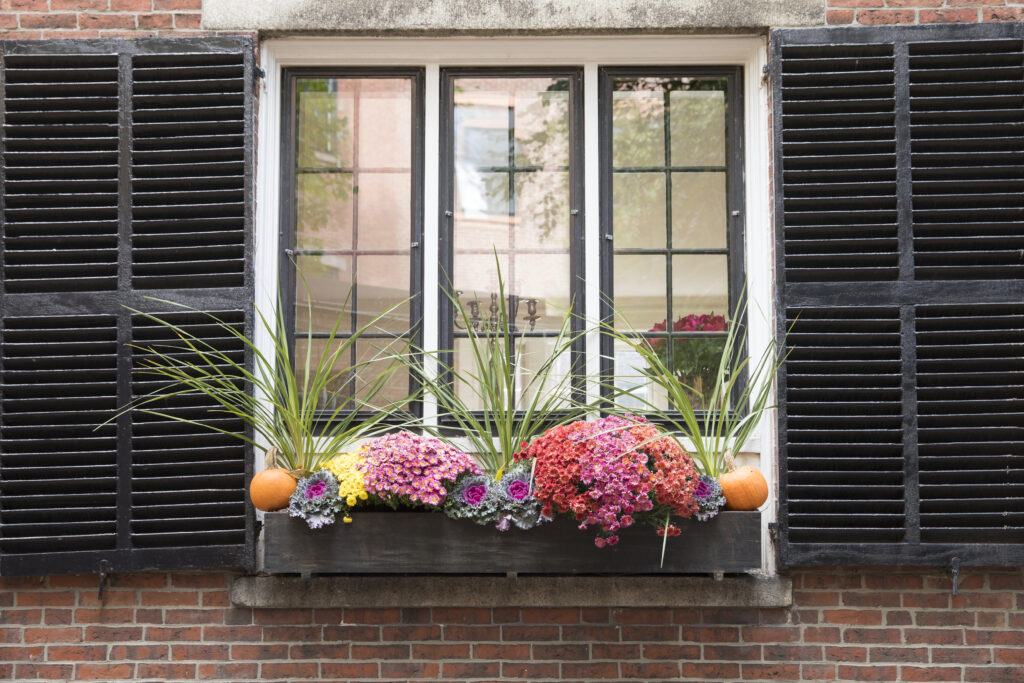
x,y
612,473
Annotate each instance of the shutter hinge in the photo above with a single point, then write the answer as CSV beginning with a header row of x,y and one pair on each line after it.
x,y
954,570
766,73
257,74
105,571
773,532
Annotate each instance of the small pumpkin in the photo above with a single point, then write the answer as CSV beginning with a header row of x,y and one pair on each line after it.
x,y
271,489
744,488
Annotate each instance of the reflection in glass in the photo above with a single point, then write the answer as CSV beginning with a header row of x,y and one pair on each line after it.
x,y
700,284
698,124
638,210
325,211
638,124
639,290
699,210
357,372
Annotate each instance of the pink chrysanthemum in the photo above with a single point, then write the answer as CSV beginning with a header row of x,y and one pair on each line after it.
x,y
411,469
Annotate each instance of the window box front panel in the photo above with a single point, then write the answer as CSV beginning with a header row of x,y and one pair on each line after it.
x,y
423,542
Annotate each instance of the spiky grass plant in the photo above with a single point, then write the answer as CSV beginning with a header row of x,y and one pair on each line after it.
x,y
732,411
280,397
495,420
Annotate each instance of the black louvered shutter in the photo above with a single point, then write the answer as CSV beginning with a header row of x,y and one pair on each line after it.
x,y
126,174
899,179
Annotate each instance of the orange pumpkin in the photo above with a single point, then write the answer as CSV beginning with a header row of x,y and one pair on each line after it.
x,y
271,489
744,488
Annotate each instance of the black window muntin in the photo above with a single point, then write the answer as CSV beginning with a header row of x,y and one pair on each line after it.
x,y
289,206
446,208
735,196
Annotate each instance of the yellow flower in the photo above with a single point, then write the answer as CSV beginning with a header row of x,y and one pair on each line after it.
x,y
350,479
346,519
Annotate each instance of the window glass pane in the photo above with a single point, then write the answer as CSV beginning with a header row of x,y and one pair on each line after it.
x,y
355,372
324,211
698,210
700,284
325,283
532,355
639,291
385,122
631,374
379,292
638,123
638,210
324,123
698,123
383,200
511,185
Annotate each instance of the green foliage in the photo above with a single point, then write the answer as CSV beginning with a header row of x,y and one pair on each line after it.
x,y
507,419
281,405
731,410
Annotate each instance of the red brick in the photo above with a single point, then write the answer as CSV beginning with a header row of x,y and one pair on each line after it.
x,y
727,653
496,651
380,651
21,617
264,651
199,652
857,3
529,670
974,3
169,598
193,616
632,651
989,674
966,582
318,651
422,669
12,635
520,633
200,579
149,616
947,16
934,636
24,672
730,615
898,618
927,600
962,655
590,670
817,598
78,5
19,583
858,617
722,634
595,615
118,598
14,654
29,6
76,653
131,5
650,670
648,633
870,599
775,672
438,651
411,632
914,3
899,654
422,615
364,634
216,599
846,654
770,634
238,672
476,633
177,5
332,616
289,616
309,670
818,672
551,615
349,669
1004,656
950,618
461,615
562,652
139,652
231,634
448,669
1005,638
173,633
642,616
104,672
1002,582
166,671
368,616
704,671
868,636
46,599
52,635
999,601
591,633
104,616
96,634
849,672
147,581
667,651
991,620
931,673
792,653
821,634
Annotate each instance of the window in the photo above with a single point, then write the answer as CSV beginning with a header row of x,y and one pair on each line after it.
x,y
511,157
354,217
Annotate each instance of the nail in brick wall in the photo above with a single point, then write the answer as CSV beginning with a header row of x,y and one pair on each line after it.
x,y
875,624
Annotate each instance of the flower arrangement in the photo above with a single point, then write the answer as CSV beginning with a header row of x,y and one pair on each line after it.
x,y
504,502
408,470
612,473
694,360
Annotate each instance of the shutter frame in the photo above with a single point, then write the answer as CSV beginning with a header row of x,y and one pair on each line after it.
x,y
915,294
150,262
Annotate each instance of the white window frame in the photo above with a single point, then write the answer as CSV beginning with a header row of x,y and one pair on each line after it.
x,y
589,52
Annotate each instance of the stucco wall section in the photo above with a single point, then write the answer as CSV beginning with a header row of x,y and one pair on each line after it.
x,y
449,16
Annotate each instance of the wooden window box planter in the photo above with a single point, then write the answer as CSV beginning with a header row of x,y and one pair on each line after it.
x,y
431,543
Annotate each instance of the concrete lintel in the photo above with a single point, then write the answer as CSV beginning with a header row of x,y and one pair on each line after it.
x,y
453,16
532,591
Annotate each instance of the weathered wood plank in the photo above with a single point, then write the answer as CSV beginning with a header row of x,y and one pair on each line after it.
x,y
421,542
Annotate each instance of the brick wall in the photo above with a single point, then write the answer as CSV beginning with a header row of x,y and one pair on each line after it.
x,y
31,19
877,12
871,625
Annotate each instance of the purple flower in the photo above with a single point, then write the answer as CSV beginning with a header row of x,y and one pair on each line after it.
x,y
473,495
316,489
703,490
518,489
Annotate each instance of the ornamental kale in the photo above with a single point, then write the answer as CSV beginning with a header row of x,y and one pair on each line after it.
x,y
709,497
316,499
504,502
